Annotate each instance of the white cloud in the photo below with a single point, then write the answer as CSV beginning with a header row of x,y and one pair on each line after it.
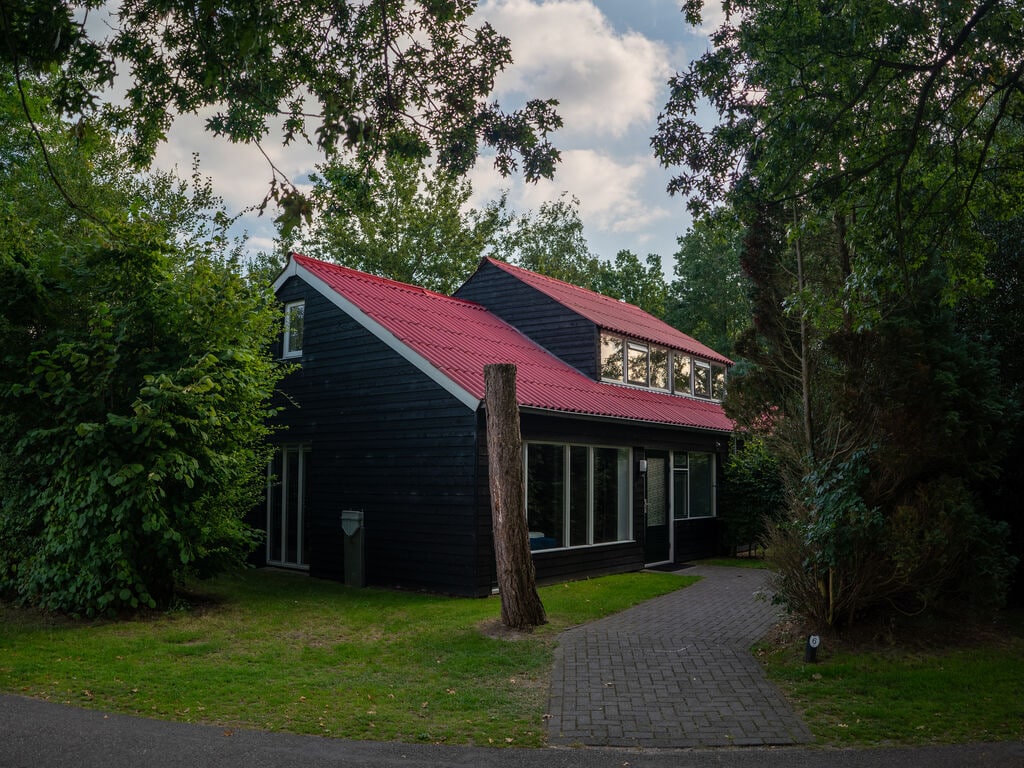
x,y
240,172
606,82
613,193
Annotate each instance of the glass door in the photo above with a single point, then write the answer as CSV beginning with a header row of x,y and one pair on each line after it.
x,y
658,541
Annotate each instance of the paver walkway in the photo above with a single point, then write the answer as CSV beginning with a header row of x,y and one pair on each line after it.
x,y
675,671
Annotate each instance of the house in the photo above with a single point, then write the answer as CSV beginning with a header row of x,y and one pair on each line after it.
x,y
623,430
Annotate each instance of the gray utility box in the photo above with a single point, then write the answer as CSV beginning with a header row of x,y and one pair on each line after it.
x,y
352,525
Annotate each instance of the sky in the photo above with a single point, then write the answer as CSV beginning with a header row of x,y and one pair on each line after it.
x,y
607,62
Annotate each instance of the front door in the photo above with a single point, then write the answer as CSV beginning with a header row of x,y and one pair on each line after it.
x,y
287,543
657,543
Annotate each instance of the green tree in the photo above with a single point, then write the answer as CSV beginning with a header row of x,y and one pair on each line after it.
x,y
862,145
709,297
641,284
551,242
899,121
387,76
399,221
134,383
996,321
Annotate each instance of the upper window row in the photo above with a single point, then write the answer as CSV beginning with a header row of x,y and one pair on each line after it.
x,y
646,365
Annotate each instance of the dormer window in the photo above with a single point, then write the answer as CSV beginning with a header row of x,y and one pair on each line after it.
x,y
659,369
636,371
294,322
639,364
701,379
611,358
682,374
717,382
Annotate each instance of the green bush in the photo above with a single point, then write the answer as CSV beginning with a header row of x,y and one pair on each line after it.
x,y
752,495
135,429
839,560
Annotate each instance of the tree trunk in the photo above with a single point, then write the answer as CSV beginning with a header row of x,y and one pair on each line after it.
x,y
805,362
521,607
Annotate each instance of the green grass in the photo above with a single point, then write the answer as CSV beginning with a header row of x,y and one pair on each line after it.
x,y
283,652
940,693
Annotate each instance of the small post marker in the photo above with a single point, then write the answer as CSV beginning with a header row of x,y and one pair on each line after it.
x,y
811,649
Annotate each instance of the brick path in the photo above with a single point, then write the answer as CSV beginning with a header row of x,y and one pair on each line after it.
x,y
675,671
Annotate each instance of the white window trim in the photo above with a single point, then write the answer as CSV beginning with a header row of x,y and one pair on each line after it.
x,y
286,351
630,532
629,344
302,450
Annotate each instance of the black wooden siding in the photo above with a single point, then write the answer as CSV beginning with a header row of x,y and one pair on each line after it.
x,y
552,325
386,440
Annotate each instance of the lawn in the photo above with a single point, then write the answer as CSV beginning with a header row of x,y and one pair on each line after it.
x,y
942,684
283,652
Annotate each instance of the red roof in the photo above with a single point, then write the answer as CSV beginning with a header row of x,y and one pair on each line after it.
x,y
611,314
457,338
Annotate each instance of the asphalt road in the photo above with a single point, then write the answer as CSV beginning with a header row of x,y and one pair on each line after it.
x,y
38,734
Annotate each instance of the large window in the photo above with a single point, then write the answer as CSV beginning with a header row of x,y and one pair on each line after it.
x,y
577,495
294,322
693,485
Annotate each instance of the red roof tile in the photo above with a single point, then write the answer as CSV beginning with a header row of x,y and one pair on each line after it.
x,y
612,314
457,338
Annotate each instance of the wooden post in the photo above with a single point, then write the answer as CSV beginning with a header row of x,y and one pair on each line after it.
x,y
521,607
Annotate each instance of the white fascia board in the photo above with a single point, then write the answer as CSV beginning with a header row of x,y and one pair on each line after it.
x,y
380,332
290,270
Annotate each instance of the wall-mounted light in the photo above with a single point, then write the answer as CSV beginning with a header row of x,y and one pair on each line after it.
x,y
643,466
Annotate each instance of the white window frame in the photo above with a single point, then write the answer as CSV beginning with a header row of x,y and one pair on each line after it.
x,y
283,488
627,347
286,349
681,508
628,535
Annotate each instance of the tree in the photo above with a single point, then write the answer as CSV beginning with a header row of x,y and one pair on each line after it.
x,y
134,383
521,607
400,222
879,434
996,321
898,121
630,280
389,77
550,242
861,145
709,297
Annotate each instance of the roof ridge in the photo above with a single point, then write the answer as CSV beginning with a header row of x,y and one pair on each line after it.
x,y
515,267
370,277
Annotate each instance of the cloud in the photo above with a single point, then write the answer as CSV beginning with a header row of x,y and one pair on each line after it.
x,y
613,192
240,172
606,82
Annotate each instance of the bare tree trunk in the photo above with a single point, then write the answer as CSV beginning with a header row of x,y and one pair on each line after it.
x,y
521,607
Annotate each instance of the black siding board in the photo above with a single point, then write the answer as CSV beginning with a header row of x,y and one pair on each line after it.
x,y
585,562
387,440
554,326
696,538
